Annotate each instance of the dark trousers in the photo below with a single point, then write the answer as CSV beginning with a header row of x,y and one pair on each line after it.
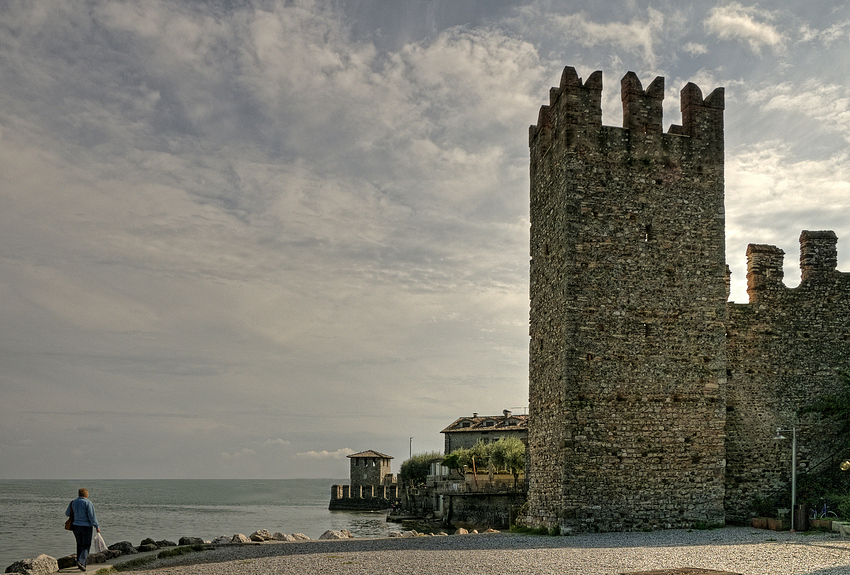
x,y
83,534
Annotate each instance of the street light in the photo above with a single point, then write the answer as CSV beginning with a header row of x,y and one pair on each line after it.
x,y
779,437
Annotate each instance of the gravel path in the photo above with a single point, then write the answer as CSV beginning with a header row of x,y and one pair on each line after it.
x,y
737,549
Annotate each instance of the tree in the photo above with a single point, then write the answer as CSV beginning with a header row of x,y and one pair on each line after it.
x,y
480,457
509,454
415,470
457,459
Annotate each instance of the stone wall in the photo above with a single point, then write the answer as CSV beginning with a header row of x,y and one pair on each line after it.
x,y
653,402
362,497
480,510
783,350
628,305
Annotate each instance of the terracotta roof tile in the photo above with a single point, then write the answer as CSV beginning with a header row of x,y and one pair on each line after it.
x,y
370,454
514,423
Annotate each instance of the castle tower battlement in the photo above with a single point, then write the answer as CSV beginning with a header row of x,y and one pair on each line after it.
x,y
574,114
783,349
652,401
764,270
818,263
627,370
642,109
818,254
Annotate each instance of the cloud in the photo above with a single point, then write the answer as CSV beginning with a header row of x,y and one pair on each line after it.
x,y
737,22
772,195
266,217
827,36
827,105
637,36
91,429
324,454
242,453
276,443
695,49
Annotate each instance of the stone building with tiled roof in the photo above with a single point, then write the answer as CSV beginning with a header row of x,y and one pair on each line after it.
x,y
467,431
373,486
370,468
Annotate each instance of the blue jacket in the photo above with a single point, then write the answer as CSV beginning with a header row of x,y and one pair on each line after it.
x,y
83,512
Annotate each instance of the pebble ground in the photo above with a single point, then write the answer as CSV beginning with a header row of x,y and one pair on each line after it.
x,y
737,549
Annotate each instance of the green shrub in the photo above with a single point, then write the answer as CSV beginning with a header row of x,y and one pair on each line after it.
x,y
842,506
764,506
415,470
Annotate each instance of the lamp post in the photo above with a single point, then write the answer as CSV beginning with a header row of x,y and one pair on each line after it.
x,y
779,436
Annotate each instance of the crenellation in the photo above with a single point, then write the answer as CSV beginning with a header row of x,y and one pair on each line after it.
x,y
783,350
653,401
642,109
818,254
702,119
764,271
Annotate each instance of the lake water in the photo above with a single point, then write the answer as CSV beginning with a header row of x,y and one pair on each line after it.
x,y
32,512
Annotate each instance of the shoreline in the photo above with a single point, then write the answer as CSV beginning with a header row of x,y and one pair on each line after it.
x,y
741,550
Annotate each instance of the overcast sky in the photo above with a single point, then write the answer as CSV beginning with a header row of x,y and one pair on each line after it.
x,y
245,239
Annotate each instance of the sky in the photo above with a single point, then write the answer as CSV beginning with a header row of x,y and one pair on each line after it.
x,y
244,239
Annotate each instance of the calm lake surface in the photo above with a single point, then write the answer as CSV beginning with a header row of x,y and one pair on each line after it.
x,y
133,509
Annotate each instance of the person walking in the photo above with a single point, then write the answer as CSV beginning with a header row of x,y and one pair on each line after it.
x,y
81,511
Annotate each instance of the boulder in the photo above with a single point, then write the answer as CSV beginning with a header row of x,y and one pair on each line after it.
x,y
166,543
278,536
347,533
125,547
331,534
41,565
149,541
300,537
191,541
462,531
67,561
409,533
95,558
147,547
261,535
239,538
221,540
491,530
394,534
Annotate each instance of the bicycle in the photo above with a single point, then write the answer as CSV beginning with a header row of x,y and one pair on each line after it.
x,y
824,513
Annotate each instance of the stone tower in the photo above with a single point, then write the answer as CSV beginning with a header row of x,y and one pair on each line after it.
x,y
628,305
370,468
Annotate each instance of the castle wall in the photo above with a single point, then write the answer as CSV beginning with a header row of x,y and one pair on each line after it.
x,y
783,349
362,498
627,338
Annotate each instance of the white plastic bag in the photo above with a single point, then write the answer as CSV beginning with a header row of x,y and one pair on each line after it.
x,y
99,543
